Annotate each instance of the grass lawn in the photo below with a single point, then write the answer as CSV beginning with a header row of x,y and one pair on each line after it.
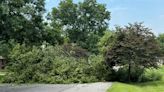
x,y
155,86
142,87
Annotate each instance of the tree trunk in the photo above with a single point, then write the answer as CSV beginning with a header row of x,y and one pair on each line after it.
x,y
129,72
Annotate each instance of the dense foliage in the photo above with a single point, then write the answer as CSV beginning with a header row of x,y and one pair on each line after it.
x,y
6,47
73,44
83,23
52,65
151,75
21,20
106,41
161,42
134,47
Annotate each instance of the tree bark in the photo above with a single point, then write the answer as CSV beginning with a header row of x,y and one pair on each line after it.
x,y
129,72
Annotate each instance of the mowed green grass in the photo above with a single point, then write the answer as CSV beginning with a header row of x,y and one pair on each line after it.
x,y
155,86
142,87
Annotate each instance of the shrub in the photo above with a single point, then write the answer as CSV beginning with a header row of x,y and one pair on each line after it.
x,y
150,75
5,47
52,65
101,71
122,74
137,74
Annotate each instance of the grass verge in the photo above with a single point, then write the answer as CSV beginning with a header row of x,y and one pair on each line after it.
x,y
155,86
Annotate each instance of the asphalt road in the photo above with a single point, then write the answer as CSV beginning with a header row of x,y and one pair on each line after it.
x,y
92,87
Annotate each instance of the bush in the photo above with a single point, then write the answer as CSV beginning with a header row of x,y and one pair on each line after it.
x,y
137,74
52,65
5,47
122,74
101,71
150,75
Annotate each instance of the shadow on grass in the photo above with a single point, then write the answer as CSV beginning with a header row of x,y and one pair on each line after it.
x,y
154,83
144,84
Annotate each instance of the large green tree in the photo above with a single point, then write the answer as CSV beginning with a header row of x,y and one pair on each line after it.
x,y
21,20
134,47
83,23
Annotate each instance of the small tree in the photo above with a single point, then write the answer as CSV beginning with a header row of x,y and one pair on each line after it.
x,y
134,47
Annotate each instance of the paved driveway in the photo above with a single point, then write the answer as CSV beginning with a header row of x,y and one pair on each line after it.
x,y
92,87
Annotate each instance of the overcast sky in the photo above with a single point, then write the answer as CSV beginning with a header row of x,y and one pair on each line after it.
x,y
151,12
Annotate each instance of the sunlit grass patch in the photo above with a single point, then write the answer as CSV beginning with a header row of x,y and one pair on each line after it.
x,y
154,86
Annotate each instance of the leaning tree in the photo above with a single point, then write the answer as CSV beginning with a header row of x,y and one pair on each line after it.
x,y
134,47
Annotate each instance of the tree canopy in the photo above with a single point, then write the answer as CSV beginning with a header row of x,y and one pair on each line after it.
x,y
83,23
134,46
21,20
